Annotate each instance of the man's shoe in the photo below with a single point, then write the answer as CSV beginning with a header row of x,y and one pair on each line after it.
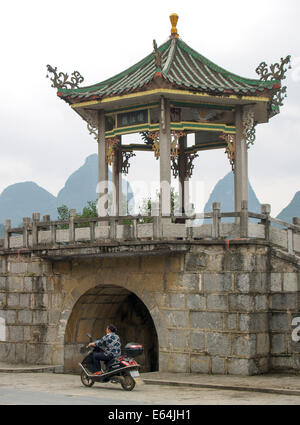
x,y
100,372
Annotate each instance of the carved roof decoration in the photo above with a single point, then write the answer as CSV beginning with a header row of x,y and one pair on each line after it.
x,y
277,72
181,67
176,70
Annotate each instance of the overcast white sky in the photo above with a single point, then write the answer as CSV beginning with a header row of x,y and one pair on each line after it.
x,y
44,141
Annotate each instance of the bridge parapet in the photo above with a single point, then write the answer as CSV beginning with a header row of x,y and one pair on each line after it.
x,y
36,233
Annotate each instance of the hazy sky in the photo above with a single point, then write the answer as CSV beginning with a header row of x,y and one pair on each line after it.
x,y
44,141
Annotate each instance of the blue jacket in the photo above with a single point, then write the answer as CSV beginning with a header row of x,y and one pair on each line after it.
x,y
110,344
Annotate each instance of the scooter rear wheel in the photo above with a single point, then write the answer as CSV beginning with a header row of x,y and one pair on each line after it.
x,y
128,383
87,382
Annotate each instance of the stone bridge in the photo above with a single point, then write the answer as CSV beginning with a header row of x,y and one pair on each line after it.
x,y
200,293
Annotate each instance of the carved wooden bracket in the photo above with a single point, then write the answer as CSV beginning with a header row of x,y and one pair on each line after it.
x,y
111,144
125,161
249,130
230,148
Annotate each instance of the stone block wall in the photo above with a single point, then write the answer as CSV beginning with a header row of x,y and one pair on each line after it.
x,y
30,305
216,313
217,309
284,307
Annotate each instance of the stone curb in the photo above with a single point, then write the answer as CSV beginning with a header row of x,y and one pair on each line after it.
x,y
32,369
222,387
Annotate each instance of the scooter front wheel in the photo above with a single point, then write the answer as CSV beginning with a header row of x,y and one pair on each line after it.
x,y
128,383
87,382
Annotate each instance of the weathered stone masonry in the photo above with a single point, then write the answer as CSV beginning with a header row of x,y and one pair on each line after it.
x,y
215,309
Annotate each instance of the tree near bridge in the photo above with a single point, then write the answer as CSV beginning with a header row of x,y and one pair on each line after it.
x,y
90,210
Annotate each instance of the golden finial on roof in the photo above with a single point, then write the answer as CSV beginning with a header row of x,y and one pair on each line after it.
x,y
174,20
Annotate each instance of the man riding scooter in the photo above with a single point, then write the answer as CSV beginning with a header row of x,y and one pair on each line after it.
x,y
111,348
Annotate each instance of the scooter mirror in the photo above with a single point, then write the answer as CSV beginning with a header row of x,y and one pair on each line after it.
x,y
90,336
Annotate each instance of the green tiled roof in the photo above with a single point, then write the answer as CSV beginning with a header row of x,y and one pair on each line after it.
x,y
181,68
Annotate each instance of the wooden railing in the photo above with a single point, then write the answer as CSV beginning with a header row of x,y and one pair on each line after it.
x,y
36,233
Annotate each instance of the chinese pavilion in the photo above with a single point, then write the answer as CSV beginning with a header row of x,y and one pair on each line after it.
x,y
172,92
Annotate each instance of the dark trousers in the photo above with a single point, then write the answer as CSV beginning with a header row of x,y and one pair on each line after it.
x,y
97,356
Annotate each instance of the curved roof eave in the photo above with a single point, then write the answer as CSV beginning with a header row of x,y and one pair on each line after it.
x,y
182,67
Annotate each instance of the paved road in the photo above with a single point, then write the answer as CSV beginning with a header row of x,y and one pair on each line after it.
x,y
59,389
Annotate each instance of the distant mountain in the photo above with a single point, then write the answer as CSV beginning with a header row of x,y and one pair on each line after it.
x,y
22,199
292,210
224,192
81,186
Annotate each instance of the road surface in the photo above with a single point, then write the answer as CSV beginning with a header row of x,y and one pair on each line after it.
x,y
64,389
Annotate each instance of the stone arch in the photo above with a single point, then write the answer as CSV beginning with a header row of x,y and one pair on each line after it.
x,y
103,304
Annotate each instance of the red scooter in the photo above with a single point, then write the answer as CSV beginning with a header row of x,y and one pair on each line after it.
x,y
122,370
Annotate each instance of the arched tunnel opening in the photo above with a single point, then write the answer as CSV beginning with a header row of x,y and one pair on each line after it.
x,y
101,306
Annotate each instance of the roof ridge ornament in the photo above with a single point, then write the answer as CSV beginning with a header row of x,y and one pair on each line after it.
x,y
60,80
174,19
276,73
157,55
